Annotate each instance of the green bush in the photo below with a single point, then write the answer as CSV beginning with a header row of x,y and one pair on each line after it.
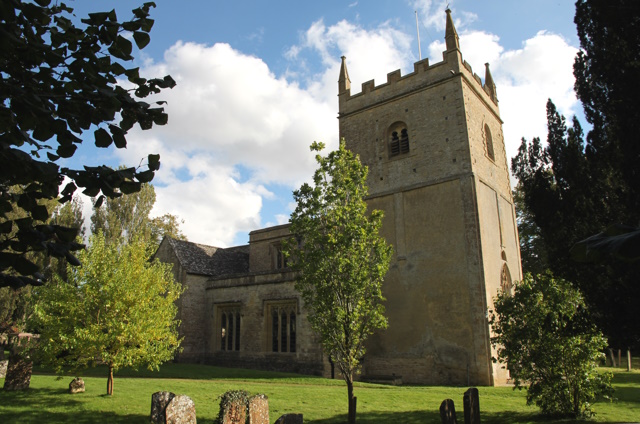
x,y
542,332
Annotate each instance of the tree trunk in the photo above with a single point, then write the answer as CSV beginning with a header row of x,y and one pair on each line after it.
x,y
351,419
110,381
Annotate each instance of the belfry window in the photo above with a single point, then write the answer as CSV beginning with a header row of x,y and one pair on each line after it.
x,y
398,139
489,142
282,327
229,327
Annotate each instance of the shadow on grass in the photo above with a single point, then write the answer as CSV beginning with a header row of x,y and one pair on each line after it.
x,y
182,371
54,406
431,417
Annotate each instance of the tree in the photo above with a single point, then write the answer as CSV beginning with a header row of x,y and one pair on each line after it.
x,y
60,79
16,303
117,309
532,251
67,215
569,199
125,218
607,73
340,259
544,334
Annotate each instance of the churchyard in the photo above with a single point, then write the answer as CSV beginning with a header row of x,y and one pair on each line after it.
x,y
319,400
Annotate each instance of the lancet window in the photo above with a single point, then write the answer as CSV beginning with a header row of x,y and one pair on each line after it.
x,y
229,322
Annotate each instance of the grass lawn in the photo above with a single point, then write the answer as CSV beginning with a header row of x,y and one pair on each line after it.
x,y
320,400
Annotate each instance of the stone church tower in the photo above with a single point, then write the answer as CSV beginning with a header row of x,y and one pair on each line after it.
x,y
434,146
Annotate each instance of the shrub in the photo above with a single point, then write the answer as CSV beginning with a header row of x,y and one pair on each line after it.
x,y
542,332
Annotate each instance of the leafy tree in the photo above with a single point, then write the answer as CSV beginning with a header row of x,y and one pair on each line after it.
x,y
16,303
125,218
118,309
16,307
607,71
59,80
68,215
569,198
544,333
340,258
532,251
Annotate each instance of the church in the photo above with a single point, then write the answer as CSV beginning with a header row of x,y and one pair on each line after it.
x,y
434,146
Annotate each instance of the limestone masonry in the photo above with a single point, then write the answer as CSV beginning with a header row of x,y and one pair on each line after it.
x,y
434,146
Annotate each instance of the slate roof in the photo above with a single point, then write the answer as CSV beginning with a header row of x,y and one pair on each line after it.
x,y
209,260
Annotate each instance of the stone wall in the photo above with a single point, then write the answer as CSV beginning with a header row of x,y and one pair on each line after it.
x,y
191,307
254,294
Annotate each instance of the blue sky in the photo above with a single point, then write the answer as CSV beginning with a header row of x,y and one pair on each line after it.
x,y
257,84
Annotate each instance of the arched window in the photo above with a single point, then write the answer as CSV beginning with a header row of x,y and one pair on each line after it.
x,y
398,139
282,327
505,280
488,140
229,327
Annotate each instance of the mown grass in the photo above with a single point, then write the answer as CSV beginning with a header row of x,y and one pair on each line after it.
x,y
321,400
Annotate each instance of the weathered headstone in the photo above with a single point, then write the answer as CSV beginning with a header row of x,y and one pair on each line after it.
x,y
448,412
3,367
181,410
159,403
76,385
235,412
471,406
18,373
290,419
258,409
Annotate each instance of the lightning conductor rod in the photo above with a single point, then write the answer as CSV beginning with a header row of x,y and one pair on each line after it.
x,y
418,30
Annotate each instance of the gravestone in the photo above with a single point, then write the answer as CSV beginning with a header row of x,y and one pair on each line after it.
x,y
448,412
290,419
258,409
471,406
3,367
181,410
234,411
76,386
18,373
159,403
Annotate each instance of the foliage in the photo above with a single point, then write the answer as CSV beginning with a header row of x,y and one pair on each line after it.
x,y
229,398
117,309
607,71
567,198
16,303
544,335
340,258
125,218
532,251
60,79
15,307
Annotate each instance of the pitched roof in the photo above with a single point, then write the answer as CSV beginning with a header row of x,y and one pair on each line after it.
x,y
209,260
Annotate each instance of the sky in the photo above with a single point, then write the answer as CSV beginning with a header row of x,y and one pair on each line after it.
x,y
257,84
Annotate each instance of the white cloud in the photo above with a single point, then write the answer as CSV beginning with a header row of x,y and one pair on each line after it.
x,y
235,127
525,78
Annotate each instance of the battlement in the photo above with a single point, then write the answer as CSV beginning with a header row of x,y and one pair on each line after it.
x,y
423,76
